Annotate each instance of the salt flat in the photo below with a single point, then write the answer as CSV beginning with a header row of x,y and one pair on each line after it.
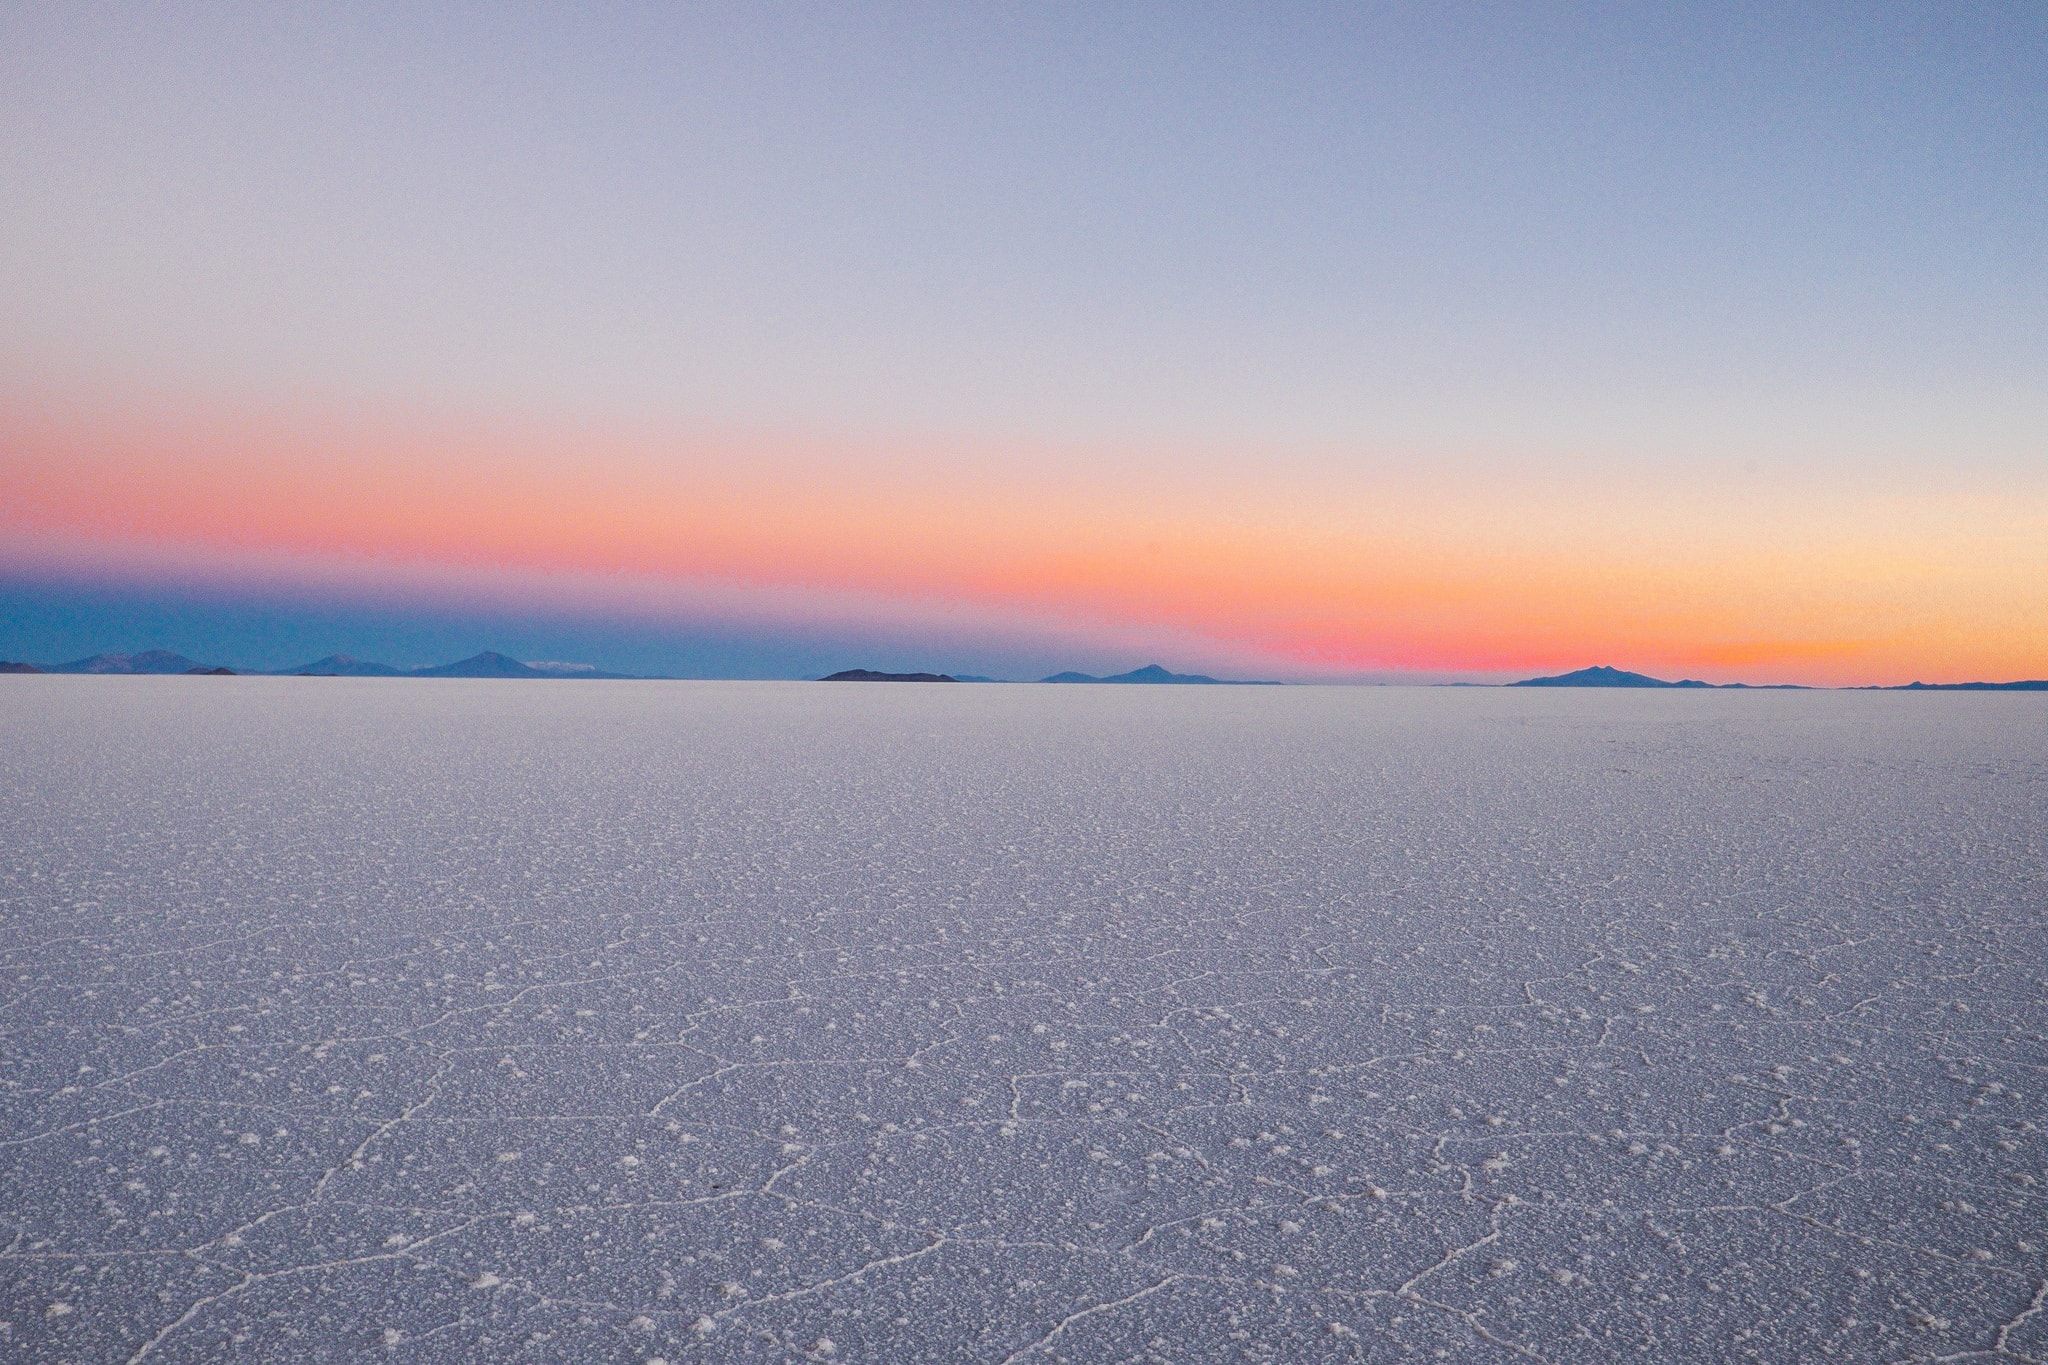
x,y
630,1021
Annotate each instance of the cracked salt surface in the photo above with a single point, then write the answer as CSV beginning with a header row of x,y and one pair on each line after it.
x,y
422,1021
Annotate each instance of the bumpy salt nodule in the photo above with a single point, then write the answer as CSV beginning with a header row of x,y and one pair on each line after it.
x,y
636,1021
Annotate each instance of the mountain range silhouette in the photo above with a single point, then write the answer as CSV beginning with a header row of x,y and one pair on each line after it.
x,y
491,664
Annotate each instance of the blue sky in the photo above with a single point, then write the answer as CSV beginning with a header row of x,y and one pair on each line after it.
x,y
1139,221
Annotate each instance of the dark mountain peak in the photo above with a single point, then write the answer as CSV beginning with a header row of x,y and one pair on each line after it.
x,y
1153,673
7,667
1156,673
148,661
198,671
1150,673
343,666
1602,675
870,675
489,664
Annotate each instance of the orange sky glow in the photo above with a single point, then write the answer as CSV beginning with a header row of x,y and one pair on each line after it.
x,y
1312,567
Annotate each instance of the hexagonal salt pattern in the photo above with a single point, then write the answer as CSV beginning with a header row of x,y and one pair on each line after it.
x,y
443,1021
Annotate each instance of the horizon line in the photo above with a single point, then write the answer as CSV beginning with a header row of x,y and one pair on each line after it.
x,y
549,670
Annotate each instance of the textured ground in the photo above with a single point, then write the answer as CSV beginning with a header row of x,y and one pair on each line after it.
x,y
432,1021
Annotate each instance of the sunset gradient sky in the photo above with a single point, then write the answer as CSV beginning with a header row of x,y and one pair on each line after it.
x,y
1343,342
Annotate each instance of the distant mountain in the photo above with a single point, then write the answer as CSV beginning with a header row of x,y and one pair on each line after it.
x,y
6,667
489,664
869,675
203,672
1602,676
1153,673
342,666
149,661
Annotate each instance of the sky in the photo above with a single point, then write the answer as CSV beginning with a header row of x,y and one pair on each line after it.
x,y
1347,342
